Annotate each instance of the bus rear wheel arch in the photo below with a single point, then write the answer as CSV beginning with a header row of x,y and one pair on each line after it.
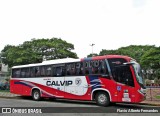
x,y
36,95
102,98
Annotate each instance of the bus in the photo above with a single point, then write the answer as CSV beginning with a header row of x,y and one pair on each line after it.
x,y
103,79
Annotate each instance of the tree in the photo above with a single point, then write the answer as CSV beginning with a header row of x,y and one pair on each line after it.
x,y
91,55
134,51
156,81
36,50
151,60
107,52
141,54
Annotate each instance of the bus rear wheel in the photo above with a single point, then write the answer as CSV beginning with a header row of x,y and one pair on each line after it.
x,y
102,99
36,95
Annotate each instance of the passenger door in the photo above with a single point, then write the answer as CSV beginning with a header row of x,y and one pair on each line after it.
x,y
125,84
124,80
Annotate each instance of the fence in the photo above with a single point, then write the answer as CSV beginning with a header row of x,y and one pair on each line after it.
x,y
153,93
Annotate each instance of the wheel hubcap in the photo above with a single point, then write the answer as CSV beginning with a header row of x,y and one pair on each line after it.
x,y
102,98
36,95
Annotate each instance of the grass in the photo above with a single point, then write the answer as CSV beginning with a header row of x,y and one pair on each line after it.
x,y
4,91
158,96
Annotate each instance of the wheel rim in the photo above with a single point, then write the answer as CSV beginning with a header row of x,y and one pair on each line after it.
x,y
102,98
36,95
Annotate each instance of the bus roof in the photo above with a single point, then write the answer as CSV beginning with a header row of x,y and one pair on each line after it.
x,y
68,60
106,57
56,61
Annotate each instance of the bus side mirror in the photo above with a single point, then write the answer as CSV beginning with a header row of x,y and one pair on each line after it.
x,y
105,75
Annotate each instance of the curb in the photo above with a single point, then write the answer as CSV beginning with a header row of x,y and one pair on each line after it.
x,y
151,104
7,97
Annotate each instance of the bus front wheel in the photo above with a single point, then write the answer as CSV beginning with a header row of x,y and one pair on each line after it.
x,y
102,99
36,95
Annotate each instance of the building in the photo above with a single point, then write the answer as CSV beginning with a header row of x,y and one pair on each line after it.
x,y
4,82
3,70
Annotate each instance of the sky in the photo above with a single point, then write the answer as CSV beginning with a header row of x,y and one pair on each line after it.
x,y
109,24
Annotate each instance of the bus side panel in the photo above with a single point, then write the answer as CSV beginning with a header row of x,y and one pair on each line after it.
x,y
80,88
15,87
110,85
27,91
52,92
139,96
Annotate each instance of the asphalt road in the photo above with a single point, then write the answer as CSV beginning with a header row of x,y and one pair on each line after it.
x,y
67,107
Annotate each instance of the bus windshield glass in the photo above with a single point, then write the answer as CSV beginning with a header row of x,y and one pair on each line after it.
x,y
138,73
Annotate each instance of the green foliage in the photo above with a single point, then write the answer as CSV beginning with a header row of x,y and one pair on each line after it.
x,y
133,51
147,56
159,82
107,52
151,58
36,50
158,96
156,82
91,55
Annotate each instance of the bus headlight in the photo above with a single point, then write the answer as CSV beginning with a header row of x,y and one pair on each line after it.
x,y
142,91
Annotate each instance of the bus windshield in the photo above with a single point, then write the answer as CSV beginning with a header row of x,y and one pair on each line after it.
x,y
138,73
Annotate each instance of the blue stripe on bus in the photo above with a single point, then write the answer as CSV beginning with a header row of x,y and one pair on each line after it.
x,y
21,83
94,84
88,59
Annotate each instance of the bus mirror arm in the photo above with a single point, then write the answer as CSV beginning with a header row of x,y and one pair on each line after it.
x,y
128,63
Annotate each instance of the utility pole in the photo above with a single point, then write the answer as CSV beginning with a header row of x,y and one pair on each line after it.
x,y
92,47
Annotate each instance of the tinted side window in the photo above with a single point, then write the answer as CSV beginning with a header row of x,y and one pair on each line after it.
x,y
32,71
42,71
103,67
121,73
79,68
59,70
71,69
86,67
48,70
37,71
16,73
96,67
75,68
25,73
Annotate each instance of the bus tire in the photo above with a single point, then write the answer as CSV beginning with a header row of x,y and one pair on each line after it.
x,y
102,99
36,95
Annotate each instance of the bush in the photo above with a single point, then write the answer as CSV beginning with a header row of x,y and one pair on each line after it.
x,y
156,82
148,82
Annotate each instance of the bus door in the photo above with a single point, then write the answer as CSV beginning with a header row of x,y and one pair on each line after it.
x,y
125,84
